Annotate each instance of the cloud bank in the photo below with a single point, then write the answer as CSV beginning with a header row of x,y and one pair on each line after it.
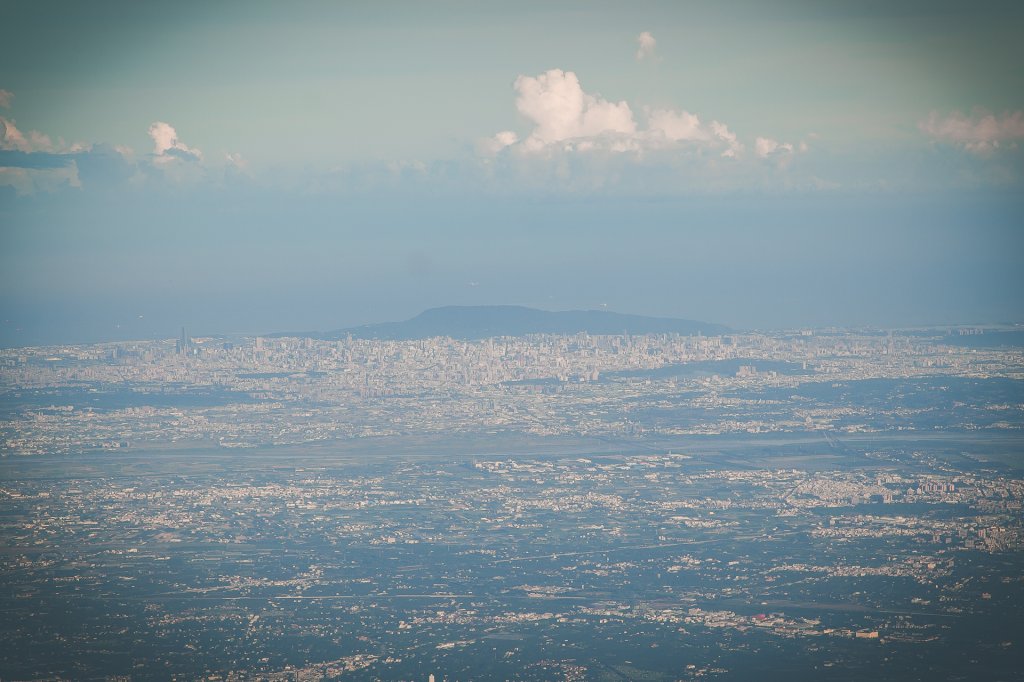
x,y
980,133
32,162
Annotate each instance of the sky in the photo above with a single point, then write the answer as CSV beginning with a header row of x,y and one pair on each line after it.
x,y
252,167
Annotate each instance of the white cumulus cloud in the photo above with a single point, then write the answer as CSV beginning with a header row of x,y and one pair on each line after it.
x,y
494,144
167,146
5,98
561,110
980,133
567,118
722,132
766,147
32,141
646,43
676,126
583,141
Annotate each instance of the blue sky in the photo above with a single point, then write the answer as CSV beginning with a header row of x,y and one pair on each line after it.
x,y
251,167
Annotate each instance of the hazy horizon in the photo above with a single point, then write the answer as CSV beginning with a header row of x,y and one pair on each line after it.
x,y
254,169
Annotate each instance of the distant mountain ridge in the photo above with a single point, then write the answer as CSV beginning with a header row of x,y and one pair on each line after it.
x,y
481,322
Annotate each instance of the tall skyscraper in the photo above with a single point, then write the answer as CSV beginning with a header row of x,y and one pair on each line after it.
x,y
184,344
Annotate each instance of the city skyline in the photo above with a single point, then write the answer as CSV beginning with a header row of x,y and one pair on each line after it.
x,y
536,507
580,340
